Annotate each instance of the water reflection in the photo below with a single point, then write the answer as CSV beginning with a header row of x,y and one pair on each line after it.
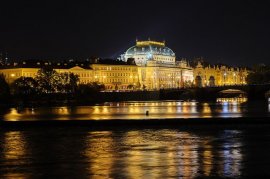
x,y
207,155
231,110
268,104
13,115
13,152
131,110
231,154
99,151
121,154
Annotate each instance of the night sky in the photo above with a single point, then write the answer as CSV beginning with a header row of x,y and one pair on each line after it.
x,y
234,32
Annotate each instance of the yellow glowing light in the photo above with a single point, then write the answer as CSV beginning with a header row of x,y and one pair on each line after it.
x,y
146,43
12,75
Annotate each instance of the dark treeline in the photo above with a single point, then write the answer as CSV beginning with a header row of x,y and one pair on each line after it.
x,y
48,87
260,74
4,90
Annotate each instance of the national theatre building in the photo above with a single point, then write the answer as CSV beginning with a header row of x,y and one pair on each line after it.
x,y
157,65
148,65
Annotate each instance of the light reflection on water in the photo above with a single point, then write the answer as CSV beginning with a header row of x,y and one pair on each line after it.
x,y
13,150
268,104
120,154
132,110
231,154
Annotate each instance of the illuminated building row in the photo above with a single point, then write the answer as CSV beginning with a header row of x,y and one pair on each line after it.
x,y
148,65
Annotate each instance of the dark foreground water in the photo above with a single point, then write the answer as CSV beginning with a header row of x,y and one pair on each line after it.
x,y
135,153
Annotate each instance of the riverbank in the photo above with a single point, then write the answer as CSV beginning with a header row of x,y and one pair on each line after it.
x,y
78,100
74,99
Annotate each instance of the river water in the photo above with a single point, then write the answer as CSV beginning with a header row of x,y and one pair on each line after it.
x,y
145,153
81,152
137,110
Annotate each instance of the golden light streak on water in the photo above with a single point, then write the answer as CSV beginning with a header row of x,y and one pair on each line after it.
x,y
14,151
100,154
147,153
207,158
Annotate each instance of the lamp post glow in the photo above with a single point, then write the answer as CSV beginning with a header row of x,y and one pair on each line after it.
x,y
225,74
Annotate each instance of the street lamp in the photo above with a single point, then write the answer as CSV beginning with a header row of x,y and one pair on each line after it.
x,y
225,74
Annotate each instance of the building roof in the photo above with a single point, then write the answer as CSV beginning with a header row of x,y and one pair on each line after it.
x,y
114,62
62,65
43,63
149,47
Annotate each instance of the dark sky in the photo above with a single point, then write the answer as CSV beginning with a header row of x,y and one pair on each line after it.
x,y
235,32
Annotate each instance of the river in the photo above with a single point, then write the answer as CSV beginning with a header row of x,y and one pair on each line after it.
x,y
138,110
81,152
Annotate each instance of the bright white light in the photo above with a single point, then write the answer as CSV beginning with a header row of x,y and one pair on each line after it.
x,y
149,56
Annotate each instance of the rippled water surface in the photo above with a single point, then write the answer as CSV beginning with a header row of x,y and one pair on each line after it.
x,y
136,152
137,110
145,153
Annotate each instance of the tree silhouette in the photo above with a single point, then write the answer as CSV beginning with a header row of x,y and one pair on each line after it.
x,y
4,89
260,74
50,81
24,86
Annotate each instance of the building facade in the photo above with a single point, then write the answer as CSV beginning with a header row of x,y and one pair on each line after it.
x,y
116,77
157,66
149,65
219,75
12,73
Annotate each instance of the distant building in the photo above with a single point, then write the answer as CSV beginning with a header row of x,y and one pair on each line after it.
x,y
13,71
148,65
219,75
157,65
114,75
145,51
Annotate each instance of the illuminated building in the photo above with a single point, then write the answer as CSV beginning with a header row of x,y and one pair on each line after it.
x,y
157,66
117,76
149,65
145,51
14,72
219,75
